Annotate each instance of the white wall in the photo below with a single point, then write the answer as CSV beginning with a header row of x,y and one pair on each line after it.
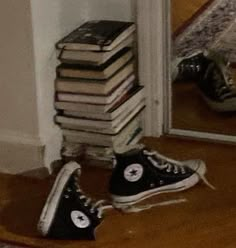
x,y
112,9
29,30
18,91
51,20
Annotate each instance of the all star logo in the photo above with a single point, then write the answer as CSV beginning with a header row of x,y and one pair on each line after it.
x,y
79,219
133,172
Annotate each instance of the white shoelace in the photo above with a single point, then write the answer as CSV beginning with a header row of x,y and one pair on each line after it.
x,y
137,209
172,165
98,206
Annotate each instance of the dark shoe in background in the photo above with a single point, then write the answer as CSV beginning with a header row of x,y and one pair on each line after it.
x,y
217,87
190,68
211,72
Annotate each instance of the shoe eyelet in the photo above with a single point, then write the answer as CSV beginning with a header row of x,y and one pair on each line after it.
x,y
152,185
66,196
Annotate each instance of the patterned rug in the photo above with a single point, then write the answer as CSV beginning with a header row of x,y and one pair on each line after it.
x,y
214,28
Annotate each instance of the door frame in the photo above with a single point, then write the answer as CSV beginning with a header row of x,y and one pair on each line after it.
x,y
153,22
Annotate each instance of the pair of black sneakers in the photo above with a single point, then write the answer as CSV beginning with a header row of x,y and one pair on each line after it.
x,y
212,73
138,174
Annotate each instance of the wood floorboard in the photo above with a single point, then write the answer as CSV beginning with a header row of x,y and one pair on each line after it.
x,y
207,219
183,10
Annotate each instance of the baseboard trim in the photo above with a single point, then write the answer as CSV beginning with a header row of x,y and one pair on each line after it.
x,y
17,158
39,173
22,154
19,138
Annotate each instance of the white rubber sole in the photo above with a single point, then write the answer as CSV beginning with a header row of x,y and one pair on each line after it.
x,y
50,207
121,201
226,106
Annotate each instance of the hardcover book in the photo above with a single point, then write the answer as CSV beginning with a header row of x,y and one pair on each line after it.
x,y
108,99
92,57
93,138
93,86
103,71
101,35
99,126
103,112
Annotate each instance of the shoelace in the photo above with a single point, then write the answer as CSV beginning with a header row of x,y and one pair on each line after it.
x,y
227,72
136,209
226,89
189,67
224,66
163,162
98,206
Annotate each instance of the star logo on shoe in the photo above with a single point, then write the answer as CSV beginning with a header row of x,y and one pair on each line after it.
x,y
79,219
133,172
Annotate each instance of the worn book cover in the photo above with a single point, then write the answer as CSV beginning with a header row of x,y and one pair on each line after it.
x,y
94,138
94,86
97,35
103,111
99,126
93,57
103,71
114,95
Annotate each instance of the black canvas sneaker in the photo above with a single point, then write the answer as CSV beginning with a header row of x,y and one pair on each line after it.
x,y
68,213
217,87
140,173
190,68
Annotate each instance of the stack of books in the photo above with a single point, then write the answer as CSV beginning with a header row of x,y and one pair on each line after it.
x,y
98,99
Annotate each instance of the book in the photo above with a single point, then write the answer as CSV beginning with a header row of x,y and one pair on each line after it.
x,y
92,138
103,71
106,111
99,126
73,151
97,35
92,86
118,92
92,57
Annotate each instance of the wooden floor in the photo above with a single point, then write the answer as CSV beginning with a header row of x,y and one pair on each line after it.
x,y
207,219
182,11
